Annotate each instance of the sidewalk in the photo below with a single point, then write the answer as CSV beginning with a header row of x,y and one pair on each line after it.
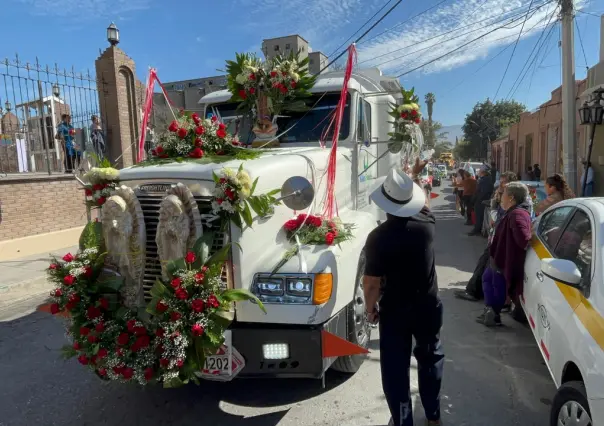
x,y
23,283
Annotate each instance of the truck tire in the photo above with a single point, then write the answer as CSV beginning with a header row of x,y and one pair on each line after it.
x,y
359,331
570,405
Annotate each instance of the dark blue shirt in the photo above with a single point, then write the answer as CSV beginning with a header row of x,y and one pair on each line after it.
x,y
65,131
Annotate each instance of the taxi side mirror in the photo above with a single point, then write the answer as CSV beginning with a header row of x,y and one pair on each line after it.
x,y
561,270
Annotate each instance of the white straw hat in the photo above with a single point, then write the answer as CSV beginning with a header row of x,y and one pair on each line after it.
x,y
398,195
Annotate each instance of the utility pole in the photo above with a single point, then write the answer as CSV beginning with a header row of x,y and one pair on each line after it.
x,y
569,127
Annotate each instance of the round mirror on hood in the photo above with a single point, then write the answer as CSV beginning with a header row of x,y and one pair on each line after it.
x,y
297,193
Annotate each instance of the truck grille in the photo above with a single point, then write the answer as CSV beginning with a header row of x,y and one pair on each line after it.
x,y
150,205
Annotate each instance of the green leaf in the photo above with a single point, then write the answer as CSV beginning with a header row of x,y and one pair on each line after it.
x,y
236,219
256,205
67,351
273,192
254,186
199,352
100,261
202,248
246,214
122,312
151,306
95,348
220,256
241,294
158,290
92,236
173,383
223,318
143,315
175,265
111,284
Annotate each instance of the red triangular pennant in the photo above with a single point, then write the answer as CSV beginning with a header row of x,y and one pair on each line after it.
x,y
336,346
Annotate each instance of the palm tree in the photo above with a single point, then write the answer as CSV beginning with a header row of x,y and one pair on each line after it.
x,y
430,99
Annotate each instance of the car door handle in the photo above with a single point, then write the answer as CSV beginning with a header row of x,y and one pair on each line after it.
x,y
539,276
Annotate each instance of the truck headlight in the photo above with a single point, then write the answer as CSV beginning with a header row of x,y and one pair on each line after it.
x,y
266,286
301,289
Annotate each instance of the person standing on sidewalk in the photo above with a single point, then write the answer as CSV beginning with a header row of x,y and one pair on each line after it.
x,y
409,307
469,189
484,190
589,188
66,133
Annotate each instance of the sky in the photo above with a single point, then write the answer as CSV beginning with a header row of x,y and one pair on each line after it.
x,y
191,39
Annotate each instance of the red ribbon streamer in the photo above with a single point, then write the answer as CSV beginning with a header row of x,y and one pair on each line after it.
x,y
146,112
330,202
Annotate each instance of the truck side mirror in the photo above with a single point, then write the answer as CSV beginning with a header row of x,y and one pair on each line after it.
x,y
297,193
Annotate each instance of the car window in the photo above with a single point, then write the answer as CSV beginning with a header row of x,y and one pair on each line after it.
x,y
575,244
552,225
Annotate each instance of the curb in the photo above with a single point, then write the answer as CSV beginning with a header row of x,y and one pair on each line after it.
x,y
24,297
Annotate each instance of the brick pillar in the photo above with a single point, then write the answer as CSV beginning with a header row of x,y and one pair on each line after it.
x,y
120,104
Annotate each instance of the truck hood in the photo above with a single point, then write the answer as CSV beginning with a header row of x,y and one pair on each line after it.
x,y
203,171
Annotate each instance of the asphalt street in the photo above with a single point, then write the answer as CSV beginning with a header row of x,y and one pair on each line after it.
x,y
492,377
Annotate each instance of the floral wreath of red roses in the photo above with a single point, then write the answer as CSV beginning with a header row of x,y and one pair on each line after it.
x,y
408,113
314,230
100,183
165,343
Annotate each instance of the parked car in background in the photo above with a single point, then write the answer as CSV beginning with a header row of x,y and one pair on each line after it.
x,y
563,300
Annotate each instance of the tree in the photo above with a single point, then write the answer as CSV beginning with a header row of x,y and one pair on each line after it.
x,y
442,146
430,100
432,131
486,122
462,151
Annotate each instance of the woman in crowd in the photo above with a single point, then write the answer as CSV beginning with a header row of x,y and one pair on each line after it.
x,y
469,185
557,190
459,190
504,275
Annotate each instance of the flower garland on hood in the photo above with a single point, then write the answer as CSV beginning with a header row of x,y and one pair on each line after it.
x,y
405,115
100,183
166,343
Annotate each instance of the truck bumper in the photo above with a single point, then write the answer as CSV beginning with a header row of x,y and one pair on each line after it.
x,y
304,342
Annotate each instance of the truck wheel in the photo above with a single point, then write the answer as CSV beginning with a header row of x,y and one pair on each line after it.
x,y
359,331
570,406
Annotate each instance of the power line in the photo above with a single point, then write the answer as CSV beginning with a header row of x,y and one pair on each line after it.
x,y
461,47
512,55
444,34
581,43
405,21
364,34
360,28
588,13
547,52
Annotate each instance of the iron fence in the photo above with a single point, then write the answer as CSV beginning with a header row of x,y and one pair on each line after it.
x,y
33,99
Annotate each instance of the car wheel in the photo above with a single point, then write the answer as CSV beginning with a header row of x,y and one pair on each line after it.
x,y
359,330
570,406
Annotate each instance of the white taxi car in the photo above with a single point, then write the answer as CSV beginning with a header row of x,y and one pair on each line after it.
x,y
564,303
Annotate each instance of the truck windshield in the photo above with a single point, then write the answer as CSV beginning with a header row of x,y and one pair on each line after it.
x,y
294,127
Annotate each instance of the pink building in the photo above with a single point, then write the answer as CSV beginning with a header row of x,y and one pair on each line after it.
x,y
537,138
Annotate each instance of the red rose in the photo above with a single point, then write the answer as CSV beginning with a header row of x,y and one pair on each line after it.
x,y
175,316
181,294
221,126
329,237
93,359
119,352
131,324
54,308
221,133
148,373
53,266
213,301
230,194
219,201
74,298
76,346
195,116
118,369
69,306
293,84
68,257
283,89
404,115
197,330
196,153
123,339
83,359
159,150
413,113
180,363
58,292
176,282
315,221
104,303
214,119
284,74
199,277
140,331
141,343
100,327
242,94
273,74
102,372
221,152
252,90
127,373
88,192
154,152
199,130
291,225
92,338
161,307
417,120
87,271
84,331
164,156
253,77
93,312
164,362
97,187
101,200
197,305
173,126
190,257
301,218
198,142
160,332
182,133
222,181
102,353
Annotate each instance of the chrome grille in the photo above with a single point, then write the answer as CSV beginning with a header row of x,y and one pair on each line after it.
x,y
150,204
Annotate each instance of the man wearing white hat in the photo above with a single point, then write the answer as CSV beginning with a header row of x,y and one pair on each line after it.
x,y
400,265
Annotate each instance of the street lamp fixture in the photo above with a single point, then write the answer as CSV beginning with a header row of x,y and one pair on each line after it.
x,y
56,90
7,106
113,34
591,113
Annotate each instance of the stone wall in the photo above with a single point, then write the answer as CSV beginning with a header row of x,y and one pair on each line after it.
x,y
40,204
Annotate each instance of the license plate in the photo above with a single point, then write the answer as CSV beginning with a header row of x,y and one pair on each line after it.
x,y
225,365
218,363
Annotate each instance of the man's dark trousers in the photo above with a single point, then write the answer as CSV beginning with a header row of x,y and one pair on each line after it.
x,y
420,320
479,209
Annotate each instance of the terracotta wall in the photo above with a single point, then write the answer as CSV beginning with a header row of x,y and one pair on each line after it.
x,y
36,205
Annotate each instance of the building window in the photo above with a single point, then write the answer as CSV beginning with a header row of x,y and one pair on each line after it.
x,y
276,47
302,48
312,61
287,46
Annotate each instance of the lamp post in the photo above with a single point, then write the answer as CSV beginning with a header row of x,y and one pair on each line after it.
x,y
113,34
7,106
56,90
591,113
